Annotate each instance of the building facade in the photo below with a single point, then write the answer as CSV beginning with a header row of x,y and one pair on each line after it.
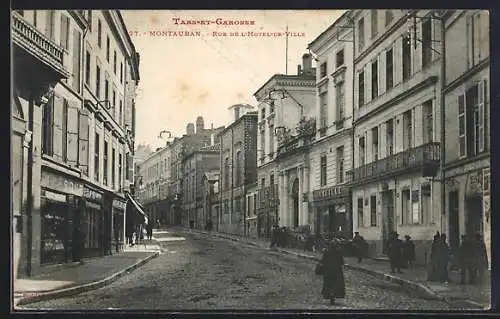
x,y
468,142
72,198
238,167
154,175
286,126
331,153
195,165
210,183
394,181
251,209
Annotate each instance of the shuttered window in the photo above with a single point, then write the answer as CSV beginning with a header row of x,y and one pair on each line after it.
x,y
57,127
83,142
76,60
47,128
49,26
72,134
64,31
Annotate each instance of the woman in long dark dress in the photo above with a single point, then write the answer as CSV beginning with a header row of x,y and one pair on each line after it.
x,y
333,273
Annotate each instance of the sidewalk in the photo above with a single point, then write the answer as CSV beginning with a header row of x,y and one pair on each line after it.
x,y
478,296
92,274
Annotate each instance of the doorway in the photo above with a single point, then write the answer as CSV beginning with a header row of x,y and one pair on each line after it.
x,y
454,221
474,216
388,217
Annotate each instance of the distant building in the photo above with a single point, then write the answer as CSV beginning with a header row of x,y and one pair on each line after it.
x,y
211,199
238,168
285,101
195,166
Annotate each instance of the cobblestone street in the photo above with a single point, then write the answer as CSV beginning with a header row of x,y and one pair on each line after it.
x,y
199,273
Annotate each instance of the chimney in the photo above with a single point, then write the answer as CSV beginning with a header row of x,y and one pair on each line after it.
x,y
190,129
299,70
200,124
307,63
212,137
236,112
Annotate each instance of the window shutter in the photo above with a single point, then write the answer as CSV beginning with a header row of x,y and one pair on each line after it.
x,y
83,141
468,42
49,27
64,31
130,166
398,61
417,51
76,60
486,106
72,134
462,141
481,102
436,37
484,40
382,73
57,127
368,82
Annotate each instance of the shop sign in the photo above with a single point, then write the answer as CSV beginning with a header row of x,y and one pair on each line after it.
x,y
61,183
118,204
55,197
92,195
330,192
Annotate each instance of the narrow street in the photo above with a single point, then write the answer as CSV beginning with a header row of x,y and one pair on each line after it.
x,y
195,273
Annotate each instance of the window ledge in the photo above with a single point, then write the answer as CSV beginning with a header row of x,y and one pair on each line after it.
x,y
49,161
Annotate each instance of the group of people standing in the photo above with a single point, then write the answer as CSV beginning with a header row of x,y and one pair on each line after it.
x,y
401,253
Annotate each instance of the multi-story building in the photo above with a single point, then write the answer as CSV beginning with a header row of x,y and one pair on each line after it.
x,y
195,165
331,153
180,147
154,175
211,189
468,142
238,167
396,132
74,197
251,210
285,128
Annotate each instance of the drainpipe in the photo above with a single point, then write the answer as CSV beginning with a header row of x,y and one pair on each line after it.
x,y
29,199
352,121
442,108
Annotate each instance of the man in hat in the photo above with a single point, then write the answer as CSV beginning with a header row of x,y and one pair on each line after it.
x,y
395,252
408,252
359,245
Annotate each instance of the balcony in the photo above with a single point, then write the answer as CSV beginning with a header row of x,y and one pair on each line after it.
x,y
38,45
425,158
289,143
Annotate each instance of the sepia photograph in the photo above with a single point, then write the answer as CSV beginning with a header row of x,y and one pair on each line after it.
x,y
255,160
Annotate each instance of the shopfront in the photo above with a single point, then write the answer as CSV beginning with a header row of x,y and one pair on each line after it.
x,y
92,222
59,204
119,205
333,211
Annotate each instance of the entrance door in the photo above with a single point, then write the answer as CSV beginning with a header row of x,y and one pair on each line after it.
x,y
387,216
454,221
474,216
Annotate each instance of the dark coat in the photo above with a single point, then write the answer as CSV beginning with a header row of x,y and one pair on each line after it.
x,y
395,249
360,245
333,274
465,254
409,250
480,255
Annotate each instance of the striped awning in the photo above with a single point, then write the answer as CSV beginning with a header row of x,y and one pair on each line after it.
x,y
138,206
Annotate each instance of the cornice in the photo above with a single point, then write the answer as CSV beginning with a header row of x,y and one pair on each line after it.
x,y
287,81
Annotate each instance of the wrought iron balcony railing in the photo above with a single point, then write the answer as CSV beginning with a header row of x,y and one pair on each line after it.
x,y
37,44
425,157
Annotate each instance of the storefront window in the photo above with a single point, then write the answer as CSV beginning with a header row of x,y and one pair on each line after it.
x,y
93,228
54,231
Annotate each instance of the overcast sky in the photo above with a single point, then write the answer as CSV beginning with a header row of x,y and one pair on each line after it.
x,y
183,77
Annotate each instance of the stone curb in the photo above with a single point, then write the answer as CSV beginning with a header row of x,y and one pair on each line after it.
x,y
66,292
422,289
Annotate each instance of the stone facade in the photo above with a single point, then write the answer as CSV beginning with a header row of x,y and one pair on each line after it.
x,y
468,150
66,175
238,160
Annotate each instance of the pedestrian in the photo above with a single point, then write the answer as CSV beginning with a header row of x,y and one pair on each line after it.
x,y
395,252
408,252
480,258
465,256
274,236
360,246
333,273
445,256
158,225
149,231
433,264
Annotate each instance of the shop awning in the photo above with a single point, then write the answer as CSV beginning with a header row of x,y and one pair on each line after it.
x,y
138,206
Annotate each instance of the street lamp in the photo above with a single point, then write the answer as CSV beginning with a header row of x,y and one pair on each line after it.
x,y
165,132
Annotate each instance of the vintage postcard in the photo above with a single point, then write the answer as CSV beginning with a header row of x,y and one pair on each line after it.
x,y
190,160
